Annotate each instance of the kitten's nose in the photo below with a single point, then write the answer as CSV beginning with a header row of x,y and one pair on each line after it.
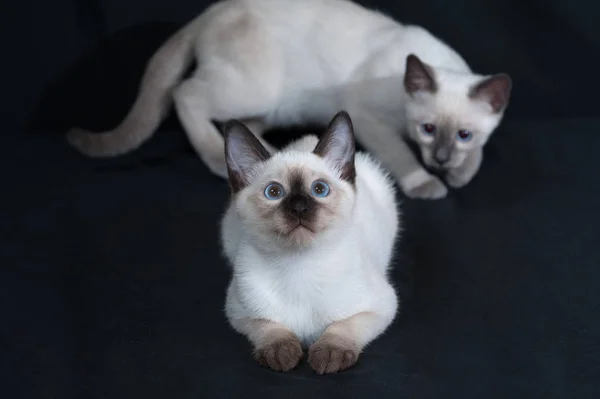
x,y
441,155
299,205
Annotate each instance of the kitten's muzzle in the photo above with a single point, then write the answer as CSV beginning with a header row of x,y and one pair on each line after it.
x,y
299,206
441,155
300,209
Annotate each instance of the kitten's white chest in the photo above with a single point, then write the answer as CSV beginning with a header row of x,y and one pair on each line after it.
x,y
305,297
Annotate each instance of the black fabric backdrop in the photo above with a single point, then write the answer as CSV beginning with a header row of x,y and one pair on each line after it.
x,y
111,279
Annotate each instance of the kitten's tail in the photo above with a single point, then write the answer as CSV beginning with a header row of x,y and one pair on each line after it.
x,y
164,70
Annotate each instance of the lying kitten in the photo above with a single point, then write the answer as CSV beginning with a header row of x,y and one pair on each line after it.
x,y
266,61
310,232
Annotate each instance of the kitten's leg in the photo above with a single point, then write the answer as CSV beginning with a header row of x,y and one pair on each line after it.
x,y
464,173
232,81
197,104
275,346
193,109
341,343
387,145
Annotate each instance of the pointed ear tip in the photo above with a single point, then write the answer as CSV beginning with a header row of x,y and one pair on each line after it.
x,y
504,81
342,115
339,117
413,60
342,118
498,80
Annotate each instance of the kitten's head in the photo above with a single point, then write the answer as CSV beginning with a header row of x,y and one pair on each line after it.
x,y
450,113
291,198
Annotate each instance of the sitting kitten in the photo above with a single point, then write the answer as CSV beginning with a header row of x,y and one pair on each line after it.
x,y
266,61
310,232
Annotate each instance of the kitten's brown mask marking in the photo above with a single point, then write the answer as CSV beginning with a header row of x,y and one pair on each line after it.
x,y
441,151
447,135
299,206
298,215
282,204
443,146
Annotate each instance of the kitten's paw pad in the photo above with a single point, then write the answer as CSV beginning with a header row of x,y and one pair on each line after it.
x,y
432,188
457,179
331,355
281,355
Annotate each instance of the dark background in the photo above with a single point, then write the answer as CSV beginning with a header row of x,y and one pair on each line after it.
x,y
111,279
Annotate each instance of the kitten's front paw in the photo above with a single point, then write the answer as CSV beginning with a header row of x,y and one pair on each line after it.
x,y
430,188
331,354
280,355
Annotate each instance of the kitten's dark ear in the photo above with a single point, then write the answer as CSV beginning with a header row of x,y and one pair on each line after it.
x,y
242,152
418,76
337,145
494,90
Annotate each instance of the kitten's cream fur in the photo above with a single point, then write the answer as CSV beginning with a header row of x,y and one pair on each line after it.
x,y
281,62
326,287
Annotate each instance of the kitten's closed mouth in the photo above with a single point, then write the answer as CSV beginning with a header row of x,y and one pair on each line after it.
x,y
300,226
300,234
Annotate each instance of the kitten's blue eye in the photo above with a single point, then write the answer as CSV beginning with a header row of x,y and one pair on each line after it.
x,y
428,129
464,135
320,189
274,191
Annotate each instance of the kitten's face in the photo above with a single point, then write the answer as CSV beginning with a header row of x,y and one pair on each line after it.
x,y
295,199
450,114
292,198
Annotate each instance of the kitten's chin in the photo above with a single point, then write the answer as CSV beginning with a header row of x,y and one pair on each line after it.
x,y
300,236
434,166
